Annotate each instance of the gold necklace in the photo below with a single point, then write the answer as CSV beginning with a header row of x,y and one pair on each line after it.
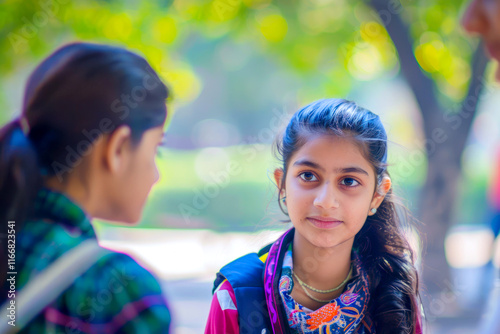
x,y
306,286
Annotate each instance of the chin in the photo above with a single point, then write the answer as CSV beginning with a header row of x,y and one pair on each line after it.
x,y
121,220
323,241
133,220
132,217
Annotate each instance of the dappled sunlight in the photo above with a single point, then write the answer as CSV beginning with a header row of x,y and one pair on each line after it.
x,y
237,70
165,30
273,27
210,161
469,246
215,133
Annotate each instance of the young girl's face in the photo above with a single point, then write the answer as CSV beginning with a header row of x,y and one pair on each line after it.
x,y
139,175
330,189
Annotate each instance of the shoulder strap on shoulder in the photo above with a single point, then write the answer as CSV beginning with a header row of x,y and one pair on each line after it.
x,y
245,271
43,289
246,278
264,250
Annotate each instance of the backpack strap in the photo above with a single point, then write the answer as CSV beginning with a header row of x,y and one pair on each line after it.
x,y
43,289
245,276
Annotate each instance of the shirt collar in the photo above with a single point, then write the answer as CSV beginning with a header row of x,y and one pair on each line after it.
x,y
58,207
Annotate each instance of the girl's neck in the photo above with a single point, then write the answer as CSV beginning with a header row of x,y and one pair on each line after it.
x,y
322,268
74,191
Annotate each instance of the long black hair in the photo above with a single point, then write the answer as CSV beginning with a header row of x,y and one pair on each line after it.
x,y
78,93
381,243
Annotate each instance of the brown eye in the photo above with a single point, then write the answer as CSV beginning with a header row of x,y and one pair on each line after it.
x,y
308,176
349,182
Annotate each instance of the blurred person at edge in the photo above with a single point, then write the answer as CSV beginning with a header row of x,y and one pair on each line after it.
x,y
482,17
79,151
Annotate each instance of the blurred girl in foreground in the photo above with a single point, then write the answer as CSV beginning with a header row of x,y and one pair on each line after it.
x,y
83,147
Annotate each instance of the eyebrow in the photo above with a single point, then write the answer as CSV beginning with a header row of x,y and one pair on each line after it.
x,y
344,170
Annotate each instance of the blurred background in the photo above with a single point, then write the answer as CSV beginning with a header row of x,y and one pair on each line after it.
x,y
237,70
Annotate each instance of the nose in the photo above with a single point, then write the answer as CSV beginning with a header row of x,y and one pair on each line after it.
x,y
326,198
474,20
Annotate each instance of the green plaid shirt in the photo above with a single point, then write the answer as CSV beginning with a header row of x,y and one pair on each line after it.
x,y
116,295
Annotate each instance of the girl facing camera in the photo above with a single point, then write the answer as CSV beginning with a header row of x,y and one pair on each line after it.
x,y
346,265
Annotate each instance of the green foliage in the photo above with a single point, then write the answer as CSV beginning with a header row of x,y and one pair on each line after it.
x,y
331,47
335,41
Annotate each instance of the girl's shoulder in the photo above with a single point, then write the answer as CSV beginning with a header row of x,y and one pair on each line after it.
x,y
116,292
245,271
223,315
40,243
122,280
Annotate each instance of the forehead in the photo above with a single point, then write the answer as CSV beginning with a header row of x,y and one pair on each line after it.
x,y
332,152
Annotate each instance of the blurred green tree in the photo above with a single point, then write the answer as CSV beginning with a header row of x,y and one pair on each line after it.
x,y
337,42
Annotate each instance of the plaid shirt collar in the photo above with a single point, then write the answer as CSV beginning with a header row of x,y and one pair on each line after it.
x,y
55,206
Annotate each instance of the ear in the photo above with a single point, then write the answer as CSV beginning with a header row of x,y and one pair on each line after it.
x,y
116,149
380,193
278,177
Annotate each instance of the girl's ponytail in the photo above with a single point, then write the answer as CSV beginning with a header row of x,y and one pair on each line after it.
x,y
20,177
20,181
388,257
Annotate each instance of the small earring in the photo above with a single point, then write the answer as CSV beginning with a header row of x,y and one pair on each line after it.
x,y
284,199
374,210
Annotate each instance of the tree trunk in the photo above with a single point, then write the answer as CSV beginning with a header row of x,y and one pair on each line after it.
x,y
437,201
439,192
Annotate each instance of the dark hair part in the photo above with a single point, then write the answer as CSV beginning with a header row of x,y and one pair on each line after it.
x,y
381,243
79,93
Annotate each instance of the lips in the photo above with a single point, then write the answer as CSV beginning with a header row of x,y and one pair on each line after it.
x,y
324,222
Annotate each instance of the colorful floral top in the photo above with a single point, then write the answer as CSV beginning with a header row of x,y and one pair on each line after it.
x,y
346,314
116,295
341,316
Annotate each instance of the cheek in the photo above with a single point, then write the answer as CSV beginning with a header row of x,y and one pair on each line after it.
x,y
298,189
358,209
150,174
363,200
145,174
299,201
148,164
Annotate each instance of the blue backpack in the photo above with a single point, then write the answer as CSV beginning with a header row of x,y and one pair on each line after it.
x,y
246,278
